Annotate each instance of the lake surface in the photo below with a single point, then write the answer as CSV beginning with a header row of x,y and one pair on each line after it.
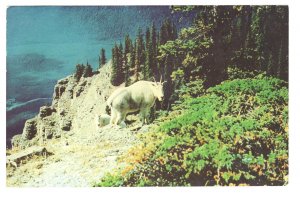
x,y
45,43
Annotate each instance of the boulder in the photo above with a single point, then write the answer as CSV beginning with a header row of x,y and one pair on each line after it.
x,y
70,93
63,112
30,129
79,91
58,91
46,111
22,156
61,90
16,141
63,81
83,83
66,125
48,132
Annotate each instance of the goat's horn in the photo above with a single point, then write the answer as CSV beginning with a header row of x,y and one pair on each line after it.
x,y
160,78
154,79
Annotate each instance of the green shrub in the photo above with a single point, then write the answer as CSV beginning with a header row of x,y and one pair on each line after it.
x,y
235,72
236,134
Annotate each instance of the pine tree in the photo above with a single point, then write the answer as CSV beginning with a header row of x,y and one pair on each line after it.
x,y
162,34
173,32
88,71
154,50
79,71
121,63
127,59
114,70
139,54
149,56
133,55
102,58
128,43
137,61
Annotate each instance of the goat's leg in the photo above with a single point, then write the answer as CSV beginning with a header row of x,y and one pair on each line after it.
x,y
120,118
143,116
113,116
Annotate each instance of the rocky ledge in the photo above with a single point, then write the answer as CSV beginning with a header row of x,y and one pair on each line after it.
x,y
63,145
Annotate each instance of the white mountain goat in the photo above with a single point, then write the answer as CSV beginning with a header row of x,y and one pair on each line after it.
x,y
104,119
140,96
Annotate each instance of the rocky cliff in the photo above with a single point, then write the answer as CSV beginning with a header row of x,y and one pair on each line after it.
x,y
63,145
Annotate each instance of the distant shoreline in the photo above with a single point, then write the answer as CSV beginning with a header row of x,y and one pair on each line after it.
x,y
21,104
17,114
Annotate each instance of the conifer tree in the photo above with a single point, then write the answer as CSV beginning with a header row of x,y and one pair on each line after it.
x,y
133,55
102,58
139,50
88,70
149,56
121,63
154,50
79,71
114,70
127,44
127,59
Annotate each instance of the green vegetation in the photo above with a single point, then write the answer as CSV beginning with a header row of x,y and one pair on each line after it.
x,y
235,134
223,42
88,71
83,71
102,58
79,71
117,75
225,118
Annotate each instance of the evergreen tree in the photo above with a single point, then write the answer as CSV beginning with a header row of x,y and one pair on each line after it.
x,y
88,70
127,70
128,43
149,56
154,50
79,71
115,59
139,54
121,63
127,59
117,76
102,58
133,55
162,34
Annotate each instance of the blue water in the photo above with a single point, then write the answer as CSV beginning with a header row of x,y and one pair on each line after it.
x,y
45,43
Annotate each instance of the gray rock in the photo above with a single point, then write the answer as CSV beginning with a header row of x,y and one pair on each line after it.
x,y
61,90
48,132
58,91
30,129
70,93
63,81
83,83
16,141
66,125
79,91
62,112
46,111
22,156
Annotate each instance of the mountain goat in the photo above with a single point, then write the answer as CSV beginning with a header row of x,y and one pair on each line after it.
x,y
140,96
104,119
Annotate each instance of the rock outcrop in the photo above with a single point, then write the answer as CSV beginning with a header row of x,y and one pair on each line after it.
x,y
30,129
21,157
46,111
82,152
73,107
